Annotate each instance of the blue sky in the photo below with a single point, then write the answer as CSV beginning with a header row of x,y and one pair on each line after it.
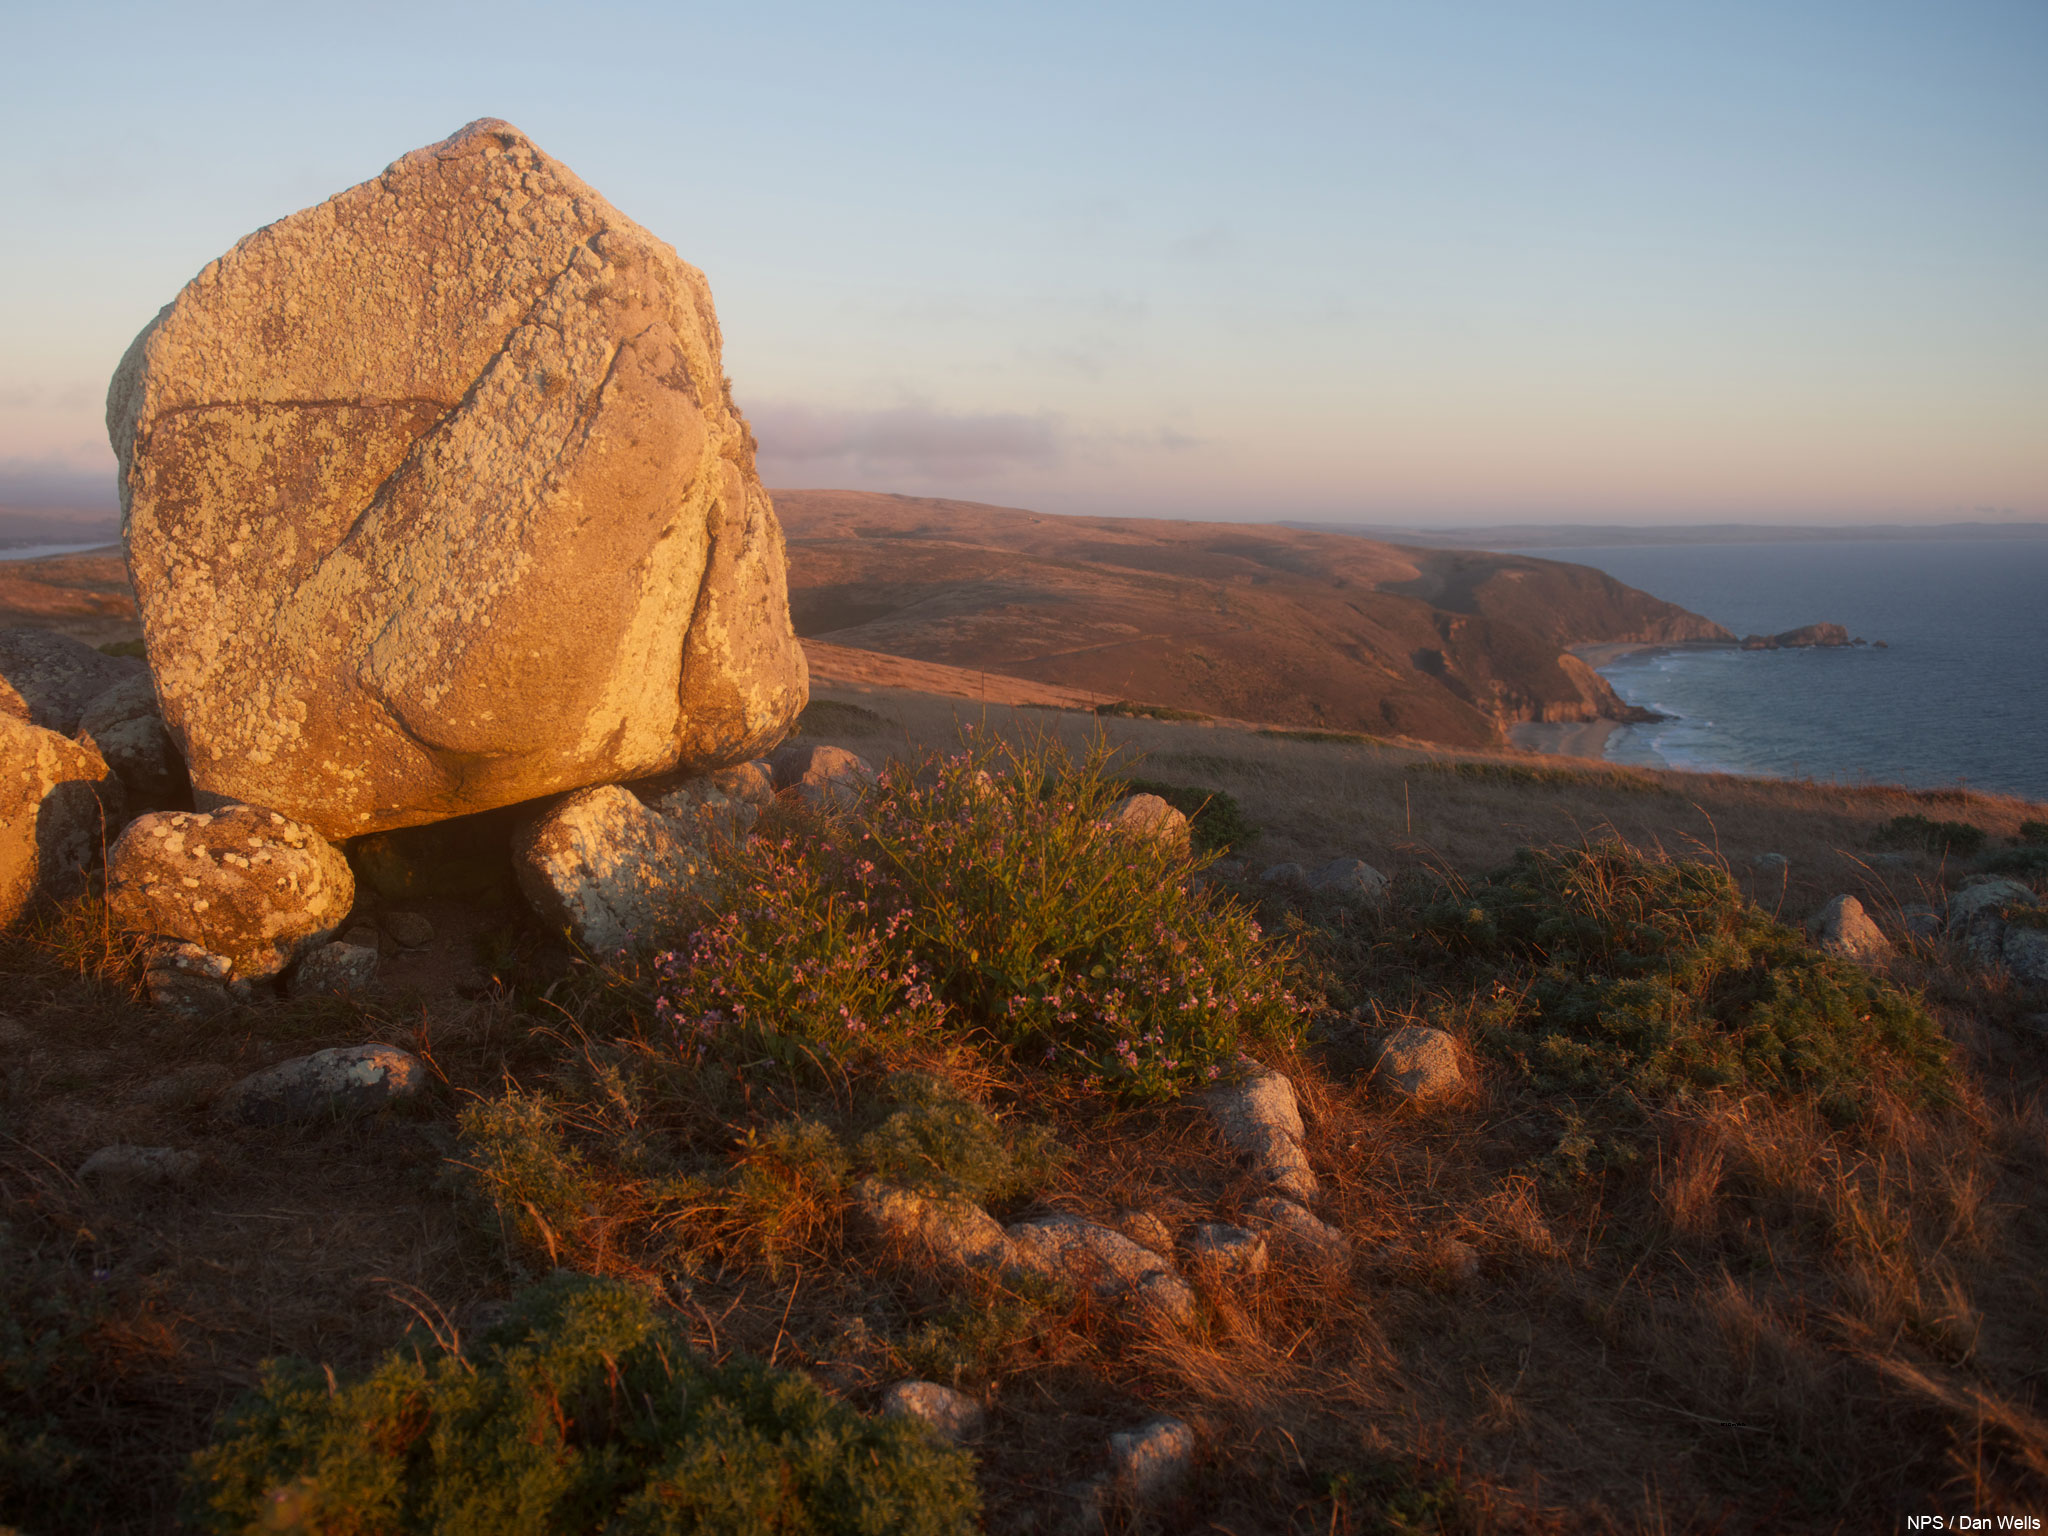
x,y
1397,263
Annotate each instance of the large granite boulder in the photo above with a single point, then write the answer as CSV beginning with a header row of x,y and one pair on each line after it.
x,y
436,500
243,883
59,803
48,679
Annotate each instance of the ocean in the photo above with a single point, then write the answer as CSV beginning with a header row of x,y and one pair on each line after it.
x,y
1959,696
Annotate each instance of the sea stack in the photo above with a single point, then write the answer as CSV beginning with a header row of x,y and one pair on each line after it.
x,y
436,500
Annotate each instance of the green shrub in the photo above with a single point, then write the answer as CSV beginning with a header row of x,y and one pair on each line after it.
x,y
1216,822
2026,861
541,1187
1957,837
939,1142
1540,777
2035,832
1323,738
979,895
583,1412
1130,711
1655,976
46,1367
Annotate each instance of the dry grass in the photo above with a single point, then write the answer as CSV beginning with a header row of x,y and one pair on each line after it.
x,y
1745,1318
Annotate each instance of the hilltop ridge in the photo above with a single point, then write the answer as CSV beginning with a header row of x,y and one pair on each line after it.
x,y
1252,620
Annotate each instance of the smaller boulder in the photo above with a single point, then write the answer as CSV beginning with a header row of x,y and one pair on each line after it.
x,y
123,1166
1153,1460
1773,866
1258,1118
1350,879
48,679
1282,874
951,1415
1295,1231
241,881
336,967
59,803
1148,816
750,783
1419,1063
605,869
1986,895
955,1231
699,803
348,1080
824,778
125,726
1227,1249
2026,954
189,981
1844,929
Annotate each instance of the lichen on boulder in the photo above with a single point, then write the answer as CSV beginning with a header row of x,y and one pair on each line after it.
x,y
436,500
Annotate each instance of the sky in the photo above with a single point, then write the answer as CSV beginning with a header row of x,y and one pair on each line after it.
x,y
1537,260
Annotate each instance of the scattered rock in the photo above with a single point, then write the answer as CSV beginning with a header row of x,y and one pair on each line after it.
x,y
1150,817
1144,1229
59,803
242,881
365,935
753,783
1153,1460
1228,1249
2026,954
1080,1252
346,1080
137,1167
409,930
437,501
1257,1116
1987,893
1920,920
1351,879
184,979
124,727
335,968
825,778
48,679
1774,865
1843,928
1291,1229
187,1087
1282,874
952,1415
956,1231
1229,869
1417,1062
603,868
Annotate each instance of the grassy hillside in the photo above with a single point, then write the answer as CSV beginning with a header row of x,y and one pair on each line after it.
x,y
1754,1243
1252,621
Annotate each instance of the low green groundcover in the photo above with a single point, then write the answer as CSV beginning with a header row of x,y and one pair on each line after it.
x,y
584,1412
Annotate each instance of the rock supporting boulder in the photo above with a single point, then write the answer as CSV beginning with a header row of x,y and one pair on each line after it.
x,y
335,968
242,882
1417,1062
346,1080
124,726
1844,929
605,869
48,679
436,500
827,778
1257,1116
59,802
184,979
